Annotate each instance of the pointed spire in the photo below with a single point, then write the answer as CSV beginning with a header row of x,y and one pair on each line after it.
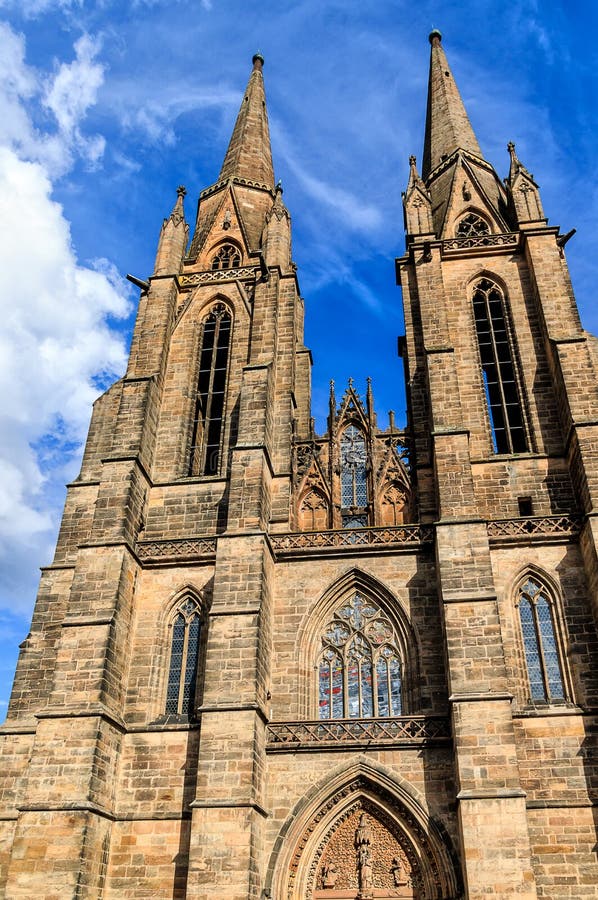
x,y
414,176
523,190
331,405
370,402
276,239
417,204
249,155
447,125
173,238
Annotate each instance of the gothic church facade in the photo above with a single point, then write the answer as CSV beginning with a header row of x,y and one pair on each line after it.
x,y
267,663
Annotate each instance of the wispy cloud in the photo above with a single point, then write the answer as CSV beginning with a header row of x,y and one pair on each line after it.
x,y
71,92
33,8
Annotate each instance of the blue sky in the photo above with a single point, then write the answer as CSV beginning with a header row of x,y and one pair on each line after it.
x,y
106,107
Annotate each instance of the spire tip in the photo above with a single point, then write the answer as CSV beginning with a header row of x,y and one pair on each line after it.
x,y
258,60
435,36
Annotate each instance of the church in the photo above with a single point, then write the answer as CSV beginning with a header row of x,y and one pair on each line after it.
x,y
271,663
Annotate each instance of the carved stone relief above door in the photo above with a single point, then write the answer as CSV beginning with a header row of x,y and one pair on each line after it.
x,y
361,858
363,842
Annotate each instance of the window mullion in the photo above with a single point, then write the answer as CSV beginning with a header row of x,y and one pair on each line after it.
x,y
331,684
183,669
507,424
345,686
209,397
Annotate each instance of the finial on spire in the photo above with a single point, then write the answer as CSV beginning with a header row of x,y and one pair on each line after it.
x,y
435,36
515,164
257,60
279,187
181,190
412,161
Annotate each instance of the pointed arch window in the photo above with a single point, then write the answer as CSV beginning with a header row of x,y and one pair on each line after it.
x,y
498,369
472,225
206,435
354,487
538,629
184,659
227,257
313,512
359,668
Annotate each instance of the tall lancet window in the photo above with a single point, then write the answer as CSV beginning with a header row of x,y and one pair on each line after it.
x,y
359,668
498,369
206,436
354,487
538,628
184,659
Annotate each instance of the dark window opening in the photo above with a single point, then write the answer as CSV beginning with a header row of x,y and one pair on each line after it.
x,y
211,389
526,507
500,384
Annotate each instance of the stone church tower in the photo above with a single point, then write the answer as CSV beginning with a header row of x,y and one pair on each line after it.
x,y
267,663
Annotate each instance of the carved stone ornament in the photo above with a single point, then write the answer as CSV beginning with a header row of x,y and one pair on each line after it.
x,y
363,855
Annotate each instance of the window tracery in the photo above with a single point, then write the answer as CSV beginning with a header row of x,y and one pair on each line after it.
x,y
538,629
184,658
354,488
227,257
472,225
359,669
313,512
393,504
498,369
211,387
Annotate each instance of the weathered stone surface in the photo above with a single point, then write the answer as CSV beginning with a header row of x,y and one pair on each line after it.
x,y
110,787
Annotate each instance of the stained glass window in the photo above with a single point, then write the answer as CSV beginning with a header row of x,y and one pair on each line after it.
x,y
354,489
498,369
359,670
211,386
228,257
184,658
536,613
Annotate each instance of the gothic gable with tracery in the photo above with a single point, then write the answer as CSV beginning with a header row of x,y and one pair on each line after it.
x,y
356,475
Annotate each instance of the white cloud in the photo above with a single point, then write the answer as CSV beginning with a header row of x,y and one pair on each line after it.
x,y
56,340
66,94
71,92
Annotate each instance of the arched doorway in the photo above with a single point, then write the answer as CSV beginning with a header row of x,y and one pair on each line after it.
x,y
363,841
363,856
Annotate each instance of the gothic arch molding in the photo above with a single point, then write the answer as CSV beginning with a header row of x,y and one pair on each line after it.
x,y
479,213
554,595
201,307
159,673
391,805
356,580
471,281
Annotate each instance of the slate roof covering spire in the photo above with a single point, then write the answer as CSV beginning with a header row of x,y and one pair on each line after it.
x,y
249,154
447,126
